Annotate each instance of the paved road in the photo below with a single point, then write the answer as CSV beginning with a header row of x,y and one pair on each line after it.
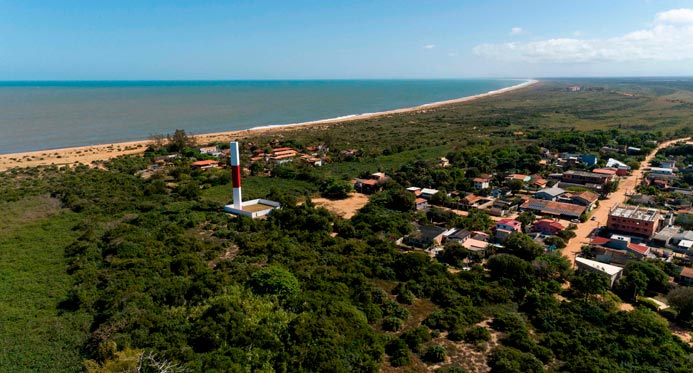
x,y
627,185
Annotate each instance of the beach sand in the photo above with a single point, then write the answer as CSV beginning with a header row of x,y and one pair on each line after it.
x,y
88,154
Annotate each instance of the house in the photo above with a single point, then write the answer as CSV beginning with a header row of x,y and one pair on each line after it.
x,y
589,159
605,171
311,160
415,190
458,235
443,162
611,271
643,200
668,164
547,227
552,208
608,149
622,169
424,236
633,219
618,249
500,192
573,88
372,184
686,276
583,177
633,150
482,182
210,150
428,192
672,237
472,201
203,165
421,203
521,177
537,182
505,227
477,246
549,194
661,171
366,186
584,198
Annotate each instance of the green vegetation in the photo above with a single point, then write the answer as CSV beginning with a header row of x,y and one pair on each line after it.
x,y
103,268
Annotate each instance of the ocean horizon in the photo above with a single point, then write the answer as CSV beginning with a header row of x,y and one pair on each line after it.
x,y
39,115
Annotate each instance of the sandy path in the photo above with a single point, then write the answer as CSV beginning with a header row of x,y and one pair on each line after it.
x,y
88,154
601,213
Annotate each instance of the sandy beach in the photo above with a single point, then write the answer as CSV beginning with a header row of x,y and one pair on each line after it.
x,y
88,154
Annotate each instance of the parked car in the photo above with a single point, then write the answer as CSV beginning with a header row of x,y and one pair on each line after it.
x,y
594,218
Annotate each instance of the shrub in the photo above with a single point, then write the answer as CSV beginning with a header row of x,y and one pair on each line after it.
x,y
392,324
456,334
648,303
477,334
405,297
434,354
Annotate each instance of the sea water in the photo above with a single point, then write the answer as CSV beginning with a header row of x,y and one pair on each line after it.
x,y
50,115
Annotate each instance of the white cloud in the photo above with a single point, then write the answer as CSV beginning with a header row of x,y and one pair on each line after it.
x,y
515,30
670,38
429,46
676,16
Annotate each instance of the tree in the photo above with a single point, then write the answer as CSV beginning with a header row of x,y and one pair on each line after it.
x,y
526,218
610,187
586,284
441,199
522,246
179,141
518,271
682,299
633,284
454,253
555,240
553,266
274,280
336,189
516,185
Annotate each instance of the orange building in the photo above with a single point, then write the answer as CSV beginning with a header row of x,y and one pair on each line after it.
x,y
633,219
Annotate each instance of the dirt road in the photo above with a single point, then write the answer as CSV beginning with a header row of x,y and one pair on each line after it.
x,y
601,214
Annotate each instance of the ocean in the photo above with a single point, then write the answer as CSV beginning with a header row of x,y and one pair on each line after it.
x,y
51,115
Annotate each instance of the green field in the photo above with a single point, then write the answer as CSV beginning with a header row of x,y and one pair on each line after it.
x,y
34,335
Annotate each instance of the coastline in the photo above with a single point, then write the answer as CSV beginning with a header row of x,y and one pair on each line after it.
x,y
90,153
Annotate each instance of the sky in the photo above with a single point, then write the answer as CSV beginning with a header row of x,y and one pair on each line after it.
x,y
372,39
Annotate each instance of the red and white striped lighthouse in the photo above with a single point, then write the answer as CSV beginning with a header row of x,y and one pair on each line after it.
x,y
236,176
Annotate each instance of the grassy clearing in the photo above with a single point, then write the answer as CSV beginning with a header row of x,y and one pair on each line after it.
x,y
259,187
34,335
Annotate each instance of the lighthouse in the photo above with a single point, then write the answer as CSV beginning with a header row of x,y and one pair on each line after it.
x,y
254,208
236,176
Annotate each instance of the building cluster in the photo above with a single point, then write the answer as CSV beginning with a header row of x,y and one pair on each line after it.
x,y
313,155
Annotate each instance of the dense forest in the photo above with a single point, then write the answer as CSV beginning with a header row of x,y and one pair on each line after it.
x,y
126,271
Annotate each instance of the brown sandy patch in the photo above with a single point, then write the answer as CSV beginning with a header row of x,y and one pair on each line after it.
x,y
345,208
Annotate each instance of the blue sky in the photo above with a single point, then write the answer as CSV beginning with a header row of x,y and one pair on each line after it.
x,y
204,39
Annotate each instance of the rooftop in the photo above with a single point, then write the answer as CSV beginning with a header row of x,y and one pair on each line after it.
x,y
585,173
601,267
552,207
429,191
687,272
510,222
587,196
640,249
553,191
634,212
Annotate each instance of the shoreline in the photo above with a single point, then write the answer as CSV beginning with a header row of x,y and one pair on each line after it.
x,y
100,152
